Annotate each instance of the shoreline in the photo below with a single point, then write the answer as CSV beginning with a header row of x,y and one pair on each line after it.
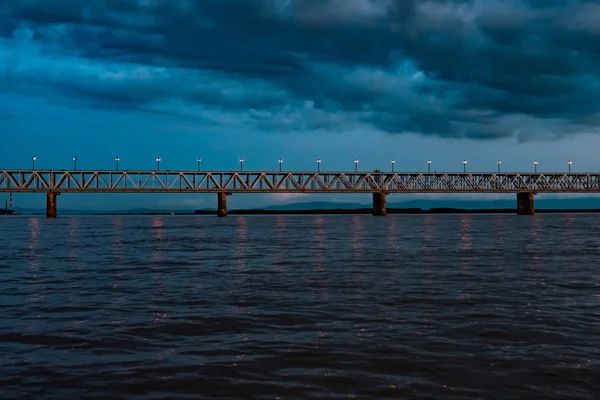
x,y
392,211
353,211
364,211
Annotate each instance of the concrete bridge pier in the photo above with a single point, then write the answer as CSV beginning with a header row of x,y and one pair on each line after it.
x,y
222,204
379,204
525,203
51,204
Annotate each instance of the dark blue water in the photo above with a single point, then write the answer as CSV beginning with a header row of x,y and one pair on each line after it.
x,y
296,307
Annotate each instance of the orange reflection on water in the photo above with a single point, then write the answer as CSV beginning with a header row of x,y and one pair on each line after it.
x,y
465,232
239,276
117,244
358,273
570,232
428,245
158,233
319,252
158,222
534,246
34,232
428,257
357,242
320,242
74,243
34,238
391,236
428,230
242,238
499,223
466,259
280,227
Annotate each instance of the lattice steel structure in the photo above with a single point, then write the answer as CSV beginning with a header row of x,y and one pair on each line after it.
x,y
300,181
225,183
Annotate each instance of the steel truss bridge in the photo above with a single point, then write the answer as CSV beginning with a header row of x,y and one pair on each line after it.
x,y
288,182
54,182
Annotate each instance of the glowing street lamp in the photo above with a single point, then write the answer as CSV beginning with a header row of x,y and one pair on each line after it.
x,y
33,162
280,162
464,166
117,159
74,163
393,163
158,159
570,163
241,164
355,165
198,161
428,166
499,163
318,165
535,164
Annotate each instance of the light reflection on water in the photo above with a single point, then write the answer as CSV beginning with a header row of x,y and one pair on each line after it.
x,y
433,306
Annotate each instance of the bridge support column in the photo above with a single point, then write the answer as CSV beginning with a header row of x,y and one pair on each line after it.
x,y
379,204
222,204
525,203
51,204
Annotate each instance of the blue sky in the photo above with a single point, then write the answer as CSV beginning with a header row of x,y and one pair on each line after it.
x,y
369,79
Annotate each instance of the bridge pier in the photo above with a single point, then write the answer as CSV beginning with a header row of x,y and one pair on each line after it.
x,y
222,204
51,204
379,204
525,203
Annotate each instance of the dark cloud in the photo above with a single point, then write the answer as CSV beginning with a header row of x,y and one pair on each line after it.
x,y
479,69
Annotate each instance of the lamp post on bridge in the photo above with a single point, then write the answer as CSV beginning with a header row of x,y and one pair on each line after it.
x,y
74,163
117,159
428,166
570,163
318,165
33,162
158,159
393,163
535,164
198,161
355,165
499,163
241,164
280,162
465,166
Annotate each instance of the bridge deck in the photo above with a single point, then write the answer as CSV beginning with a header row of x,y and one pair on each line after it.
x,y
66,181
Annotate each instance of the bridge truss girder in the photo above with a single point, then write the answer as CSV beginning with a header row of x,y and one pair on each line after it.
x,y
293,182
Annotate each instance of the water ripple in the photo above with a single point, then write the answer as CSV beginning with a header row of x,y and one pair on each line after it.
x,y
295,307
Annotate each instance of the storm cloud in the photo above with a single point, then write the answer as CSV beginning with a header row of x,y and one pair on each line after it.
x,y
478,69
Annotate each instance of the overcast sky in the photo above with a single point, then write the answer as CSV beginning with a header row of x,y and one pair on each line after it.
x,y
412,80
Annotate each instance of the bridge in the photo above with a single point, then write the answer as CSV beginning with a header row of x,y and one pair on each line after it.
x,y
224,183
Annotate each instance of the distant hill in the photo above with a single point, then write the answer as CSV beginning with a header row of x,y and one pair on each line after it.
x,y
540,204
315,205
548,204
135,211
